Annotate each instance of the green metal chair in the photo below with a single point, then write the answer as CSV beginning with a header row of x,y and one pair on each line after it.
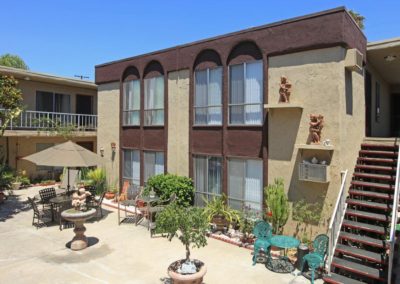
x,y
263,232
316,258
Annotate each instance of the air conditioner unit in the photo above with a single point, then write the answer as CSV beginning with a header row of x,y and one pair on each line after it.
x,y
353,60
314,172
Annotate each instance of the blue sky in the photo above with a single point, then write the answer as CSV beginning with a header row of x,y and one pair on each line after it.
x,y
68,37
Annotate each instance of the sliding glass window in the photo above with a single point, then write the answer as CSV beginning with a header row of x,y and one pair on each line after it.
x,y
208,97
154,101
245,184
246,93
207,177
131,166
131,111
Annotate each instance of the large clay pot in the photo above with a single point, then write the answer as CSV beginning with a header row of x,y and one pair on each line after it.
x,y
16,185
220,222
109,195
195,278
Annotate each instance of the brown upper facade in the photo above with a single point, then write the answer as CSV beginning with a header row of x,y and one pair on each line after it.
x,y
324,29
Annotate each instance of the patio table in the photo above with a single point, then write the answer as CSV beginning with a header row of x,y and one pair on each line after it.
x,y
148,200
60,203
282,264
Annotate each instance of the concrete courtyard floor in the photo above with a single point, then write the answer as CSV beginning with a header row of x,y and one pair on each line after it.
x,y
119,254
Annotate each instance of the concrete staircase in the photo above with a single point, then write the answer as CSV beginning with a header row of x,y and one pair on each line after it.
x,y
360,255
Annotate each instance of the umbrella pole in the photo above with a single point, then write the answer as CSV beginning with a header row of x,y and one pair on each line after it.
x,y
68,181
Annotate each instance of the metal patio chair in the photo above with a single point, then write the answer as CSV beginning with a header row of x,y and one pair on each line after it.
x,y
40,217
316,258
45,195
263,232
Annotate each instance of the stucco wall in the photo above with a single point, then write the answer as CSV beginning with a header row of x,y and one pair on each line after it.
x,y
108,127
380,127
29,89
178,122
318,86
19,147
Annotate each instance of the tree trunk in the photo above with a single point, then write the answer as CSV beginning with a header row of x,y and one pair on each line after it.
x,y
187,253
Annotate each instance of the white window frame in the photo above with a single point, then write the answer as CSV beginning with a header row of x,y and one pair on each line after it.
x,y
126,110
208,105
244,87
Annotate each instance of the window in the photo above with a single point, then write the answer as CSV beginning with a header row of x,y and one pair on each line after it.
x,y
131,112
246,93
245,184
207,178
208,97
154,101
377,101
153,164
53,102
131,164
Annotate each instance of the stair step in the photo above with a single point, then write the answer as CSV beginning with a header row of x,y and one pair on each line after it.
x,y
376,168
360,253
373,194
367,215
378,153
363,240
372,184
369,204
360,269
364,227
339,279
376,160
380,146
374,176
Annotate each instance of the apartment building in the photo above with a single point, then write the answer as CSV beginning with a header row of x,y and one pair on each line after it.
x,y
55,109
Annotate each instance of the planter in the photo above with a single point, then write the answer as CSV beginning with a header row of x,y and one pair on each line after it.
x,y
220,222
16,185
109,195
195,278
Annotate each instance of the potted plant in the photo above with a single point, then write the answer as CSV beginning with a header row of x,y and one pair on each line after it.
x,y
189,225
219,213
17,182
111,192
98,178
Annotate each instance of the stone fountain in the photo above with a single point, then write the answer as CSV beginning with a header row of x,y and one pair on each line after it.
x,y
79,214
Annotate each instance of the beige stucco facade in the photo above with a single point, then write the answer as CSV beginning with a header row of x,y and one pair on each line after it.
x,y
319,86
108,128
178,122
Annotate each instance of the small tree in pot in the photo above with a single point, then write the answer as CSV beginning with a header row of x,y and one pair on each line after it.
x,y
189,225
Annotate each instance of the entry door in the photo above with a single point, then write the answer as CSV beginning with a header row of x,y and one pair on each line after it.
x,y
395,103
368,97
84,104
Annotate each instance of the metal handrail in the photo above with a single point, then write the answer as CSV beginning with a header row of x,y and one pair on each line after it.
x,y
336,220
394,218
30,119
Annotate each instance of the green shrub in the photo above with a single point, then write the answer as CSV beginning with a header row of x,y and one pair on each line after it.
x,y
98,178
165,185
278,205
189,225
217,207
6,177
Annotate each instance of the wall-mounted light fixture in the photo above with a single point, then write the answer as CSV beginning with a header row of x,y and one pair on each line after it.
x,y
113,146
102,151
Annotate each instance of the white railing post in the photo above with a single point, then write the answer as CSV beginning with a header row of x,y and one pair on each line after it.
x,y
394,218
336,220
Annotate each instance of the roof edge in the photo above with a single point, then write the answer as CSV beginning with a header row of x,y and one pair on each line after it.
x,y
274,24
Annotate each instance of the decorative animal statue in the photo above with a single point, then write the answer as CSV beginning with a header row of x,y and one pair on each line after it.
x,y
284,90
316,125
79,198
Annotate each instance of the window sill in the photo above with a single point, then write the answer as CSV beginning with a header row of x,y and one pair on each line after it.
x,y
239,126
153,126
206,126
130,126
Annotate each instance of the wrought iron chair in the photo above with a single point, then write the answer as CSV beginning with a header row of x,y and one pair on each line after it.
x,y
316,258
96,204
45,195
40,217
263,232
126,198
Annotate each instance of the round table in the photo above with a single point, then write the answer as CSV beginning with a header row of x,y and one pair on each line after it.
x,y
60,199
282,264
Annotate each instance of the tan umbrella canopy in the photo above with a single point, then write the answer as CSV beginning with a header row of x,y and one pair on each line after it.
x,y
68,155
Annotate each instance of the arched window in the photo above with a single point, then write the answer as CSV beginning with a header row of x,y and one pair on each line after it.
x,y
131,97
245,85
154,94
208,89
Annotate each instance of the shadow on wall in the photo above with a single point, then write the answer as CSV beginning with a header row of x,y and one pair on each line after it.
x,y
283,130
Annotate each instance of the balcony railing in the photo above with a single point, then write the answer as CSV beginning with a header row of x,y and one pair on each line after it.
x,y
41,120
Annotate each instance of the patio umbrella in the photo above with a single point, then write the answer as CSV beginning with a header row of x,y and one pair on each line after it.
x,y
67,155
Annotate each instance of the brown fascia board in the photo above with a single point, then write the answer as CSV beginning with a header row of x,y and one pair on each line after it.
x,y
323,29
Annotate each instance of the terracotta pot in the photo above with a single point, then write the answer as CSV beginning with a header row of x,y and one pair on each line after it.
x,y
195,278
109,195
220,222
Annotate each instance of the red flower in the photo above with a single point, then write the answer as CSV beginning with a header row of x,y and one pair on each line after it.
x,y
269,214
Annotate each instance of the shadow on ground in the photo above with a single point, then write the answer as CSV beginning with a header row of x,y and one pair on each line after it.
x,y
12,206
